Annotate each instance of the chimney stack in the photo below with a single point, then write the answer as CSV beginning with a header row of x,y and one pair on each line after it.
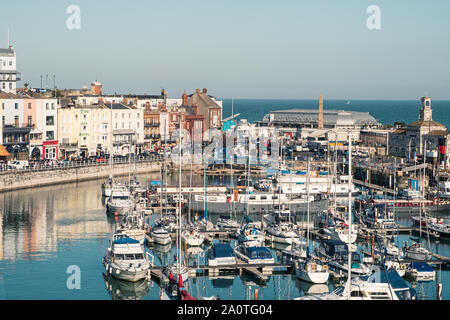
x,y
205,90
320,123
184,99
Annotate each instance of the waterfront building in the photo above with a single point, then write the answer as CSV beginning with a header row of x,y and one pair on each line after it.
x,y
85,130
15,131
8,73
152,118
332,124
208,107
40,113
127,128
421,137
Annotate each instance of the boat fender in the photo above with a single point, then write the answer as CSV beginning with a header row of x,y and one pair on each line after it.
x,y
325,267
402,267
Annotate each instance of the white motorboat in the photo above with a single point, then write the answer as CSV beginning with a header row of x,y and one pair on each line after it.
x,y
193,237
336,252
295,251
382,285
126,259
389,249
421,271
417,252
283,233
120,202
221,254
160,236
312,270
254,255
132,224
227,224
249,235
339,231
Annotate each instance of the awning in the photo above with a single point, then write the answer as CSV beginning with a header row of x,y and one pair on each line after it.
x,y
3,152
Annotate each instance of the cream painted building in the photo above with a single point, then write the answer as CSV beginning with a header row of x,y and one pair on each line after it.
x,y
91,130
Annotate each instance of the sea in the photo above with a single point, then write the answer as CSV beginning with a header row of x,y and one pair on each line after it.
x,y
53,238
387,112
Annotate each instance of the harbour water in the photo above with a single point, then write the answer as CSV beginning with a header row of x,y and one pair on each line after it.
x,y
44,231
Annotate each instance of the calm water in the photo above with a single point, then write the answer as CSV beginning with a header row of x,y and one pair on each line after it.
x,y
45,230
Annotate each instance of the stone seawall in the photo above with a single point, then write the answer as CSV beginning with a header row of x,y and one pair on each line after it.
x,y
14,180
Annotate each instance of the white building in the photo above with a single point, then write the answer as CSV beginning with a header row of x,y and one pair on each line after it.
x,y
8,72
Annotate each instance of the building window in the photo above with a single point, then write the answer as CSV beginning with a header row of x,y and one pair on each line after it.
x,y
50,135
29,105
53,106
50,121
16,106
16,121
30,121
46,105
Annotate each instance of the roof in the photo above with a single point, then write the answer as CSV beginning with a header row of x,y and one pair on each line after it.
x,y
421,123
3,152
7,52
421,266
116,106
201,100
330,117
223,250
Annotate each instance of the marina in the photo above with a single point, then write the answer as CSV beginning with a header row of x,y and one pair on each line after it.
x,y
260,275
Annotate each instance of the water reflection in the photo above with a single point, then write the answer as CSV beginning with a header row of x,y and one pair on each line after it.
x,y
308,288
125,290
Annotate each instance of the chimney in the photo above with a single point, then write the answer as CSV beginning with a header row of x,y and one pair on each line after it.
x,y
184,97
205,90
197,90
320,123
194,108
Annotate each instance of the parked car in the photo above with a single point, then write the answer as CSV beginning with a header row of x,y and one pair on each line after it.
x,y
18,164
101,160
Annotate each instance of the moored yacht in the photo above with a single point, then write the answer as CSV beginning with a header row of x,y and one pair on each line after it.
x,y
336,252
126,259
312,270
382,285
254,255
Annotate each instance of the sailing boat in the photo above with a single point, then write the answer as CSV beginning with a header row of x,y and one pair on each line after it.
x,y
178,270
311,269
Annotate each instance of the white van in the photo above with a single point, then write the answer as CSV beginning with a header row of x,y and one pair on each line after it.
x,y
18,164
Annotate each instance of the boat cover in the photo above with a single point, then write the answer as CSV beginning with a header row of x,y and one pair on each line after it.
x,y
421,267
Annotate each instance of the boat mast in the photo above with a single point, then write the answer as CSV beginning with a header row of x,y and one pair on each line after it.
x,y
349,212
179,200
307,204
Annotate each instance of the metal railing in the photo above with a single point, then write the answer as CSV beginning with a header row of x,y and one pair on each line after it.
x,y
61,164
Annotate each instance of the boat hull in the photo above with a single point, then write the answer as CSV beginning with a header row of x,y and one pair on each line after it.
x,y
126,275
313,277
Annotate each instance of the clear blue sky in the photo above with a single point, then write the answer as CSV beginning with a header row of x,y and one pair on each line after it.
x,y
240,49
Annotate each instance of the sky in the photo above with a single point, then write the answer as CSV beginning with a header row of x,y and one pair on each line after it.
x,y
237,49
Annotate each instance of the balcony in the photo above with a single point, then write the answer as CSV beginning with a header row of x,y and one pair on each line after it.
x,y
151,124
152,136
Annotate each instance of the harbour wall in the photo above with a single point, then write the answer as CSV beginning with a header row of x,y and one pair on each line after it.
x,y
16,179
